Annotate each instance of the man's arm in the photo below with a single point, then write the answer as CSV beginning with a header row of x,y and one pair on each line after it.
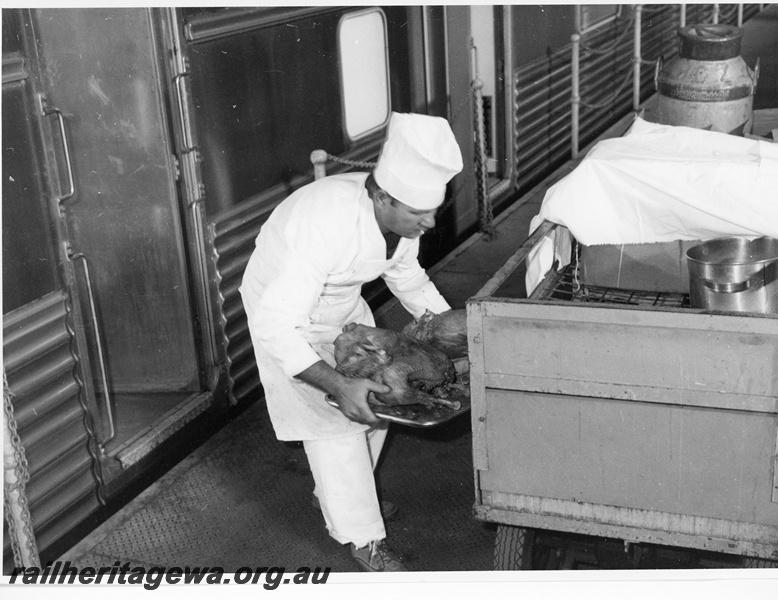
x,y
412,286
350,394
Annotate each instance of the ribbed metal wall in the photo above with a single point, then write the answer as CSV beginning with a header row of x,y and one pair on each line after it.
x,y
233,242
51,418
542,89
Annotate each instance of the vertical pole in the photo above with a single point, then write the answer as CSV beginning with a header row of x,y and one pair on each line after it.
x,y
575,97
319,161
481,174
683,15
636,58
473,60
740,15
716,12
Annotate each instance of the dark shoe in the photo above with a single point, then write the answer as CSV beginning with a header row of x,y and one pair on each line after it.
x,y
389,510
376,558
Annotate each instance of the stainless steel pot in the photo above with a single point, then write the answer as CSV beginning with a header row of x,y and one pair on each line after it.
x,y
734,274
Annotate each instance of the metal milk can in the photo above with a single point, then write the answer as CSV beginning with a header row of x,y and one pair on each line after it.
x,y
708,85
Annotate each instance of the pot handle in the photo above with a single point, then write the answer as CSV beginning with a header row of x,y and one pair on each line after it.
x,y
728,288
733,288
765,277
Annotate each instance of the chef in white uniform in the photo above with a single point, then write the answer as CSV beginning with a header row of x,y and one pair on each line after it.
x,y
303,284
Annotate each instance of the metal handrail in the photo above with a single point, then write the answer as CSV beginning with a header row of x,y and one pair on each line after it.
x,y
637,60
100,353
46,111
320,157
186,134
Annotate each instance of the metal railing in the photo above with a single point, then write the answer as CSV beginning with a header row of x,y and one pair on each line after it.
x,y
635,25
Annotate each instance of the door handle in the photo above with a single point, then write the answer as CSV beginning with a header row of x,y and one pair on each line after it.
x,y
181,97
51,110
100,353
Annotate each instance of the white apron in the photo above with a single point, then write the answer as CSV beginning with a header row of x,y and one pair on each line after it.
x,y
298,410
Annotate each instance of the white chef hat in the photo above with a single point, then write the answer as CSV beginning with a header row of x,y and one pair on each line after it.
x,y
420,156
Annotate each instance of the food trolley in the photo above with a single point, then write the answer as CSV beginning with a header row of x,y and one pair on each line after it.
x,y
624,415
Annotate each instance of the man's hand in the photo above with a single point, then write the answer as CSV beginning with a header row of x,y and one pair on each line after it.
x,y
350,394
352,400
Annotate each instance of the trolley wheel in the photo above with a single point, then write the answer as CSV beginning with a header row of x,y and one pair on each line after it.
x,y
751,562
513,548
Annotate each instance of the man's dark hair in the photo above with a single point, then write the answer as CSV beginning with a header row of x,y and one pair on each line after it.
x,y
373,190
371,186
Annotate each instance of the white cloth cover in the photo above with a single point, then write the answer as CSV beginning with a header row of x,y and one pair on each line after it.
x,y
419,157
661,183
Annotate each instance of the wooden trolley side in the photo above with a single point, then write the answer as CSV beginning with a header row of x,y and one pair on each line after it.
x,y
654,425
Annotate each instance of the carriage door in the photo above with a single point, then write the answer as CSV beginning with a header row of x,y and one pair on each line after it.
x,y
491,63
45,402
101,76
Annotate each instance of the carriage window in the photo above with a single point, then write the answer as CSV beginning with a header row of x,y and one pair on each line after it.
x,y
592,16
364,71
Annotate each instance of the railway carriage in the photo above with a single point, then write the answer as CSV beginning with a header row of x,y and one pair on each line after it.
x,y
143,148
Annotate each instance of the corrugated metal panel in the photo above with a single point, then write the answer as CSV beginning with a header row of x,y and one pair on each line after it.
x,y
70,510
56,474
233,242
51,417
542,88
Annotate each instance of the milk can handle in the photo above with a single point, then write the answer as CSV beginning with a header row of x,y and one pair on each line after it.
x,y
657,71
755,78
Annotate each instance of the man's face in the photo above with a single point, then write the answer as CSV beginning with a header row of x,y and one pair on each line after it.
x,y
396,217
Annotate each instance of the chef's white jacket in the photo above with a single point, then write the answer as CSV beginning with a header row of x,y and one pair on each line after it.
x,y
302,284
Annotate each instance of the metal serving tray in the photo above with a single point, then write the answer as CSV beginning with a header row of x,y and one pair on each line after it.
x,y
418,415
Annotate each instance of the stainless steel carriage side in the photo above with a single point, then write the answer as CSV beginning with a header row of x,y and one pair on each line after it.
x,y
643,421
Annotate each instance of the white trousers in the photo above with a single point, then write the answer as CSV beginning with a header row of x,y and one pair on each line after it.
x,y
342,470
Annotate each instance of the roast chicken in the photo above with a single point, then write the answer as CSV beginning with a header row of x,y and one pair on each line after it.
x,y
416,372
446,331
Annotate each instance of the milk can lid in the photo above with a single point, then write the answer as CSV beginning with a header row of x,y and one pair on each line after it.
x,y
710,41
